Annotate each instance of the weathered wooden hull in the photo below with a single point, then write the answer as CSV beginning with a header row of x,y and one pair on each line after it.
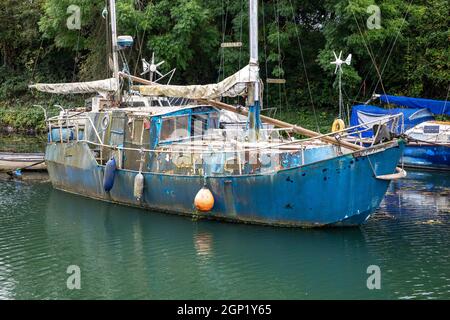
x,y
427,156
341,191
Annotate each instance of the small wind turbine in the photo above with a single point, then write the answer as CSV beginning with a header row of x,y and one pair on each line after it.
x,y
339,62
151,67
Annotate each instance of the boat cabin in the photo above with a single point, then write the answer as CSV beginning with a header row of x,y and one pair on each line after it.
x,y
183,140
148,128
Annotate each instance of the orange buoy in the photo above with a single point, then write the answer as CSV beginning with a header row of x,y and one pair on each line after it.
x,y
204,200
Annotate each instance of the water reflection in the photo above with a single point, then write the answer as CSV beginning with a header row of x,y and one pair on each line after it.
x,y
203,243
410,236
126,253
154,255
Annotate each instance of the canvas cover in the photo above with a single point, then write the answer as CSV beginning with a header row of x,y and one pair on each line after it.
x,y
100,86
435,106
234,85
366,113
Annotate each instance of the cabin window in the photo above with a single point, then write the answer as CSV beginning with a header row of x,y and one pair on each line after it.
x,y
137,133
175,128
136,137
138,104
213,120
199,124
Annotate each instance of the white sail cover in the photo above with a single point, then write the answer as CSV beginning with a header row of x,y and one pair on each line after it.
x,y
232,86
100,86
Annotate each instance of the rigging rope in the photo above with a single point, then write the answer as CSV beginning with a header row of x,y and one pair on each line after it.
x,y
393,45
108,40
304,66
37,59
222,50
265,54
76,56
141,43
370,53
280,65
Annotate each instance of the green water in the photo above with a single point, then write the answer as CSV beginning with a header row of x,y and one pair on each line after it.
x,y
126,253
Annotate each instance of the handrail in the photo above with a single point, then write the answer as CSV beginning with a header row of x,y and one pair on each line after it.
x,y
346,132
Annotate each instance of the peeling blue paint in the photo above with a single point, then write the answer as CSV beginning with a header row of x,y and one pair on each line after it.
x,y
298,196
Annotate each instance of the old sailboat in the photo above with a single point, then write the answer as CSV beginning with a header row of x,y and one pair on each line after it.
x,y
181,160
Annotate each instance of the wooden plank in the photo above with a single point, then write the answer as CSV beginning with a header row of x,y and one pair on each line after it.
x,y
276,81
136,79
231,44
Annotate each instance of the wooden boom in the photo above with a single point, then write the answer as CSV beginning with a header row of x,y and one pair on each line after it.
x,y
282,124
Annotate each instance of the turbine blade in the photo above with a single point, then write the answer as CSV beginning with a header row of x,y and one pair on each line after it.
x,y
160,63
145,66
349,59
340,55
335,56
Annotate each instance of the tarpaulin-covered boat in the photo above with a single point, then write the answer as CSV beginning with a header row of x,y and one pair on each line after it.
x,y
428,140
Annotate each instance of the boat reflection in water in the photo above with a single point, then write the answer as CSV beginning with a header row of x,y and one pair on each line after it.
x,y
126,253
410,236
173,257
422,190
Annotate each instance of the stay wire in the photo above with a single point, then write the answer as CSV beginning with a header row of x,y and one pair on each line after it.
x,y
304,65
393,45
369,52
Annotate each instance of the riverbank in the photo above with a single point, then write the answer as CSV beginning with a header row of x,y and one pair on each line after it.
x,y
22,143
21,115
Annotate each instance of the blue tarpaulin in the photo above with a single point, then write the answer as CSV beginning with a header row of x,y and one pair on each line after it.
x,y
435,106
366,113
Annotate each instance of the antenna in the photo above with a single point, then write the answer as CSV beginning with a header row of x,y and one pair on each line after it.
x,y
339,62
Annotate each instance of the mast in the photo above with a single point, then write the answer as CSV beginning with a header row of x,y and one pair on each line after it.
x,y
112,8
254,89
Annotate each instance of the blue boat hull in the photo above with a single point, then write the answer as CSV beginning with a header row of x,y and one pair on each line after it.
x,y
423,156
341,191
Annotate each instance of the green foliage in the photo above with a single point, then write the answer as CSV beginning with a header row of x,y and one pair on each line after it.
x,y
306,118
23,118
297,38
410,50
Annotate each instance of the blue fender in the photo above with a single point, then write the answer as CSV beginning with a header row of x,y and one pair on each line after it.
x,y
109,175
